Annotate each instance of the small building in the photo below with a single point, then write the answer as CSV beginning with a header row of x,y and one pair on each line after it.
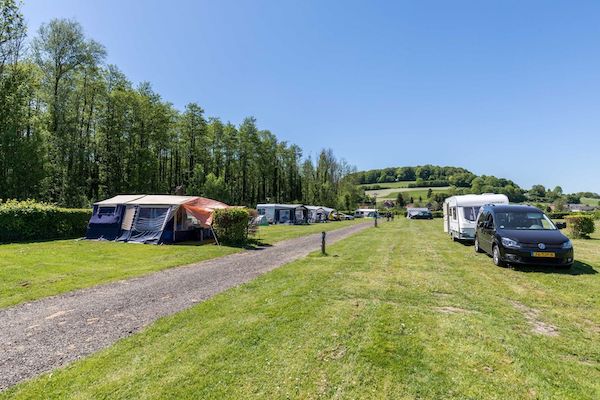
x,y
153,218
366,213
284,213
580,207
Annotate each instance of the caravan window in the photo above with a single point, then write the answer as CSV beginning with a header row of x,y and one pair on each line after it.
x,y
470,213
106,210
453,212
261,211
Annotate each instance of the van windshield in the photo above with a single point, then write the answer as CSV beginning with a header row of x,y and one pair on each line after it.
x,y
524,221
470,213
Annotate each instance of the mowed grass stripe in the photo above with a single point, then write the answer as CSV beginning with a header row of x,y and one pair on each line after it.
x,y
394,312
30,271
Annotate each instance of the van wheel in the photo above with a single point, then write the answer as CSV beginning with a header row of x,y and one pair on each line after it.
x,y
496,256
476,246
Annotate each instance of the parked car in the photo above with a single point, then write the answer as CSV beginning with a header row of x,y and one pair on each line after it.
x,y
424,214
517,234
343,216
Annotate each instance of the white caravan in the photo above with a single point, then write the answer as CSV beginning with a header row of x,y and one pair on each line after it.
x,y
460,213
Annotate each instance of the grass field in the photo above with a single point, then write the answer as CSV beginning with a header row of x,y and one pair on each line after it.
x,y
30,271
397,312
590,201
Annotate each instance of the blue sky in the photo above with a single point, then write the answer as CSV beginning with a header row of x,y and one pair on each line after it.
x,y
505,88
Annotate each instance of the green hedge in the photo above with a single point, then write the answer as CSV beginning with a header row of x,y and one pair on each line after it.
x,y
580,226
231,225
29,220
558,214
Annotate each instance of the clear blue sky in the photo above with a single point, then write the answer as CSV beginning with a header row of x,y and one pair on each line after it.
x,y
505,88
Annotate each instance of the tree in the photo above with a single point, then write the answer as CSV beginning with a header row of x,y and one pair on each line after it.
x,y
400,200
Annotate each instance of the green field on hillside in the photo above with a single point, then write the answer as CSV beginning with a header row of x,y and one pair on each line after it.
x,y
590,201
30,271
397,312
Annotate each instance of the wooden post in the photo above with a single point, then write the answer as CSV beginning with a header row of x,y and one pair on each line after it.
x,y
323,234
375,220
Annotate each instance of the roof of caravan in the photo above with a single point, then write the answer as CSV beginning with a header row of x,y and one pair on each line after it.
x,y
143,199
479,199
315,208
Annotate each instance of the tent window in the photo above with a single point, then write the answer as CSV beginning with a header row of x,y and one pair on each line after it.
x,y
106,210
150,218
261,211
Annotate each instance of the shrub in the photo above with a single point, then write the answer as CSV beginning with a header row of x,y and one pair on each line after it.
x,y
30,220
580,226
437,214
231,225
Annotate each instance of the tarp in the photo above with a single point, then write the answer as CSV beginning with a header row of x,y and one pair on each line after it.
x,y
202,209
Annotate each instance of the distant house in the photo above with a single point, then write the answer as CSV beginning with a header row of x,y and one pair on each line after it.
x,y
580,207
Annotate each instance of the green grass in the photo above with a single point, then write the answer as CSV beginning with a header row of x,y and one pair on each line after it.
x,y
397,312
275,233
29,271
416,193
590,201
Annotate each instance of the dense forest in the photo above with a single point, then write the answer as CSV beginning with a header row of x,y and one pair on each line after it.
x,y
74,129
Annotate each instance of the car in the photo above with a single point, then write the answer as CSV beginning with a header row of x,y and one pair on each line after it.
x,y
343,216
421,215
518,234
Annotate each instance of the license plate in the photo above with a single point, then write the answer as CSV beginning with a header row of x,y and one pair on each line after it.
x,y
543,254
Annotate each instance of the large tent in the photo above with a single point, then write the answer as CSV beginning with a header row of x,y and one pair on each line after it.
x,y
153,218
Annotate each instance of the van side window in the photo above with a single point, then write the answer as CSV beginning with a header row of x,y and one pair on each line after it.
x,y
482,218
490,221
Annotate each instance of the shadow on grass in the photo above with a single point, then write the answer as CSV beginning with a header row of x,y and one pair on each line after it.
x,y
578,268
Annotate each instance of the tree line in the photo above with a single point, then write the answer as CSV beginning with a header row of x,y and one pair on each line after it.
x,y
74,129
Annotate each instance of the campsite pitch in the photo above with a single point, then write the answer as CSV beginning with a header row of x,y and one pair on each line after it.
x,y
30,271
395,312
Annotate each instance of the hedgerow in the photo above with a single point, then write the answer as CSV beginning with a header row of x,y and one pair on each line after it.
x,y
30,220
231,225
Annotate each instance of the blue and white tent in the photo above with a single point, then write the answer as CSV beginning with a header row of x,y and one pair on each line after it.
x,y
152,218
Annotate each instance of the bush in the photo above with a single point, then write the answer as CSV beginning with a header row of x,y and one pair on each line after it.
x,y
580,226
30,220
231,225
437,214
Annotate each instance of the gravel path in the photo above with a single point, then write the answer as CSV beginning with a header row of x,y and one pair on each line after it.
x,y
49,333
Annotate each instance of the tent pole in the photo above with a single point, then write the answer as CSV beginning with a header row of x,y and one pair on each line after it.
x,y
174,225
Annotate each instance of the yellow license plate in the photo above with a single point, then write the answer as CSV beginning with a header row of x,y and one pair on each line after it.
x,y
543,254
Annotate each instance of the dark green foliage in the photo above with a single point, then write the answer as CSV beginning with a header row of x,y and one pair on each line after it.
x,y
231,225
580,226
558,214
432,183
30,220
74,130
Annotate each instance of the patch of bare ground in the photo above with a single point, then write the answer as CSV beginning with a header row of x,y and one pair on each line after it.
x,y
452,310
532,317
